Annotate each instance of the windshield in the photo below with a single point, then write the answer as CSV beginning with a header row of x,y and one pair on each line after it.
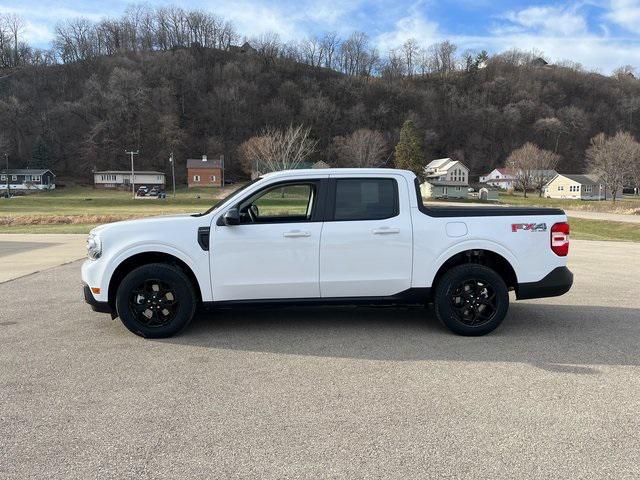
x,y
228,197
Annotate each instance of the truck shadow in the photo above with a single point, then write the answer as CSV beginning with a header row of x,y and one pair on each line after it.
x,y
559,338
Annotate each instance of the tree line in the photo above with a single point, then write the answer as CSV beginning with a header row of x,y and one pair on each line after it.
x,y
165,80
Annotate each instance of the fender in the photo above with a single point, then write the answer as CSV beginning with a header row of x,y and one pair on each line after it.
x,y
476,244
199,267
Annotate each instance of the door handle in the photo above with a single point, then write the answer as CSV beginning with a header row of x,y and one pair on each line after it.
x,y
296,234
385,231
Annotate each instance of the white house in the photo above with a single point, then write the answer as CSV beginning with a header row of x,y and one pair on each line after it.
x,y
445,178
504,178
122,179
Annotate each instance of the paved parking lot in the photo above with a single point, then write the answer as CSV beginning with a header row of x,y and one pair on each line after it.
x,y
25,254
326,393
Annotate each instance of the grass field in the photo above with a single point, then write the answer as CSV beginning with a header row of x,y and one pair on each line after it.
x,y
628,204
78,210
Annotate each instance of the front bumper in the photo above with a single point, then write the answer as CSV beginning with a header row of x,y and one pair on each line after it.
x,y
556,283
96,306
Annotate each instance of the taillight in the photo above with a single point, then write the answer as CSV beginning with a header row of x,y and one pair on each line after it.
x,y
560,239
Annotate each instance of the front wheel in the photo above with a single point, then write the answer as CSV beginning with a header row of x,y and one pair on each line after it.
x,y
471,299
156,300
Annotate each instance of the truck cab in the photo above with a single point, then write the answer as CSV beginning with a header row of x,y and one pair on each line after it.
x,y
331,236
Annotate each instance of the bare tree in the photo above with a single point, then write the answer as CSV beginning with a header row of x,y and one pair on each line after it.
x,y
15,24
410,50
545,164
530,165
363,148
612,158
328,47
275,150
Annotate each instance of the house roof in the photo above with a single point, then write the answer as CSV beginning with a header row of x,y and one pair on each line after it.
x,y
439,163
26,171
580,178
128,172
199,163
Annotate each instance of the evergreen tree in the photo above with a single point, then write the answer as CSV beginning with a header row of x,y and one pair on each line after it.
x,y
409,152
40,154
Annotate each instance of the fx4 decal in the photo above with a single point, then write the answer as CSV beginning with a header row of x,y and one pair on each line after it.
x,y
531,227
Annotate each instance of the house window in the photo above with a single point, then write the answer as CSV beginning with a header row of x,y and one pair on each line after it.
x,y
587,188
196,178
560,188
4,177
36,178
14,178
212,178
27,178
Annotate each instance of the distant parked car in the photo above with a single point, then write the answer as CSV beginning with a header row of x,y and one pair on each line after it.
x,y
142,191
153,192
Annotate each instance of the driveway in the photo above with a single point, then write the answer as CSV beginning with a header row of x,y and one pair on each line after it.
x,y
326,392
612,217
24,254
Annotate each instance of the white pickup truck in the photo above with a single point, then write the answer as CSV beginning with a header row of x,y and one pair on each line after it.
x,y
333,236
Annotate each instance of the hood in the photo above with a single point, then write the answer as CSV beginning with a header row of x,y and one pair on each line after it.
x,y
143,223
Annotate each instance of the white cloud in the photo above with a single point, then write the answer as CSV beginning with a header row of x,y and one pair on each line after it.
x,y
414,26
37,34
551,20
625,13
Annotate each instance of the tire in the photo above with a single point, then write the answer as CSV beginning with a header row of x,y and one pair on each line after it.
x,y
156,300
471,300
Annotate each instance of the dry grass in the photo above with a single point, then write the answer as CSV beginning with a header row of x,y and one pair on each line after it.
x,y
23,220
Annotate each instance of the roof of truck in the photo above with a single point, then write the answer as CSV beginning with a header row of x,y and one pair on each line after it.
x,y
340,171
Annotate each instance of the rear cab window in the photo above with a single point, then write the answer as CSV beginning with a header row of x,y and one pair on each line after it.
x,y
364,199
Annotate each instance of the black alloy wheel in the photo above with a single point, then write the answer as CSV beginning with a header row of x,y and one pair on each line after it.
x,y
474,302
471,299
156,300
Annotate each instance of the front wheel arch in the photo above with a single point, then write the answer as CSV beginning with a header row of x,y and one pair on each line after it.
x,y
145,258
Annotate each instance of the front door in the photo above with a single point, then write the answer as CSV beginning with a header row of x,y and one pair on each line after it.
x,y
367,239
274,251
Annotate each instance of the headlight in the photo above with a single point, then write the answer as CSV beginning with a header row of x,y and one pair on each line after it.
x,y
94,246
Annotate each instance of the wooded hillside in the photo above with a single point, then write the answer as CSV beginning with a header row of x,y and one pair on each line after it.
x,y
83,114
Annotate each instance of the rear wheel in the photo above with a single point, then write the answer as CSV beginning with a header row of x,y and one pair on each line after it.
x,y
471,299
156,300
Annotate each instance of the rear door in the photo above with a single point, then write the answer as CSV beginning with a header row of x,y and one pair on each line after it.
x,y
366,244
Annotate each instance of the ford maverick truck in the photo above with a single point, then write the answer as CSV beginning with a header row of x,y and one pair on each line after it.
x,y
331,236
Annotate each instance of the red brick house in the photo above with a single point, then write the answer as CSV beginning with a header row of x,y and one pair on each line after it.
x,y
204,172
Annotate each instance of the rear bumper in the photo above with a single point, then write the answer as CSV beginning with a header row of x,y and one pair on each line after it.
x,y
557,282
96,306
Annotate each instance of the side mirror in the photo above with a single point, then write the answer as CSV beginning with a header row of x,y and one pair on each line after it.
x,y
232,217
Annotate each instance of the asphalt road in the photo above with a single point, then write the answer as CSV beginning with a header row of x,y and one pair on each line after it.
x,y
326,393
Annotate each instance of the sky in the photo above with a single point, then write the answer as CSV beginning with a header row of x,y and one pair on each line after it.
x,y
600,35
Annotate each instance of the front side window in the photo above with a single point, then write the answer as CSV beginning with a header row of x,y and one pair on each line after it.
x,y
14,177
196,178
365,199
292,202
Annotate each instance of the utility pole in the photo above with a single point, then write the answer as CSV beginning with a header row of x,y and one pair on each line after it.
x,y
6,157
222,165
133,175
173,174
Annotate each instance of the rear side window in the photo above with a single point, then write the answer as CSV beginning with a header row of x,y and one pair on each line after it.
x,y
365,199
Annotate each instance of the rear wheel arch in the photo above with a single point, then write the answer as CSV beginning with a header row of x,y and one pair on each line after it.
x,y
137,260
487,258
